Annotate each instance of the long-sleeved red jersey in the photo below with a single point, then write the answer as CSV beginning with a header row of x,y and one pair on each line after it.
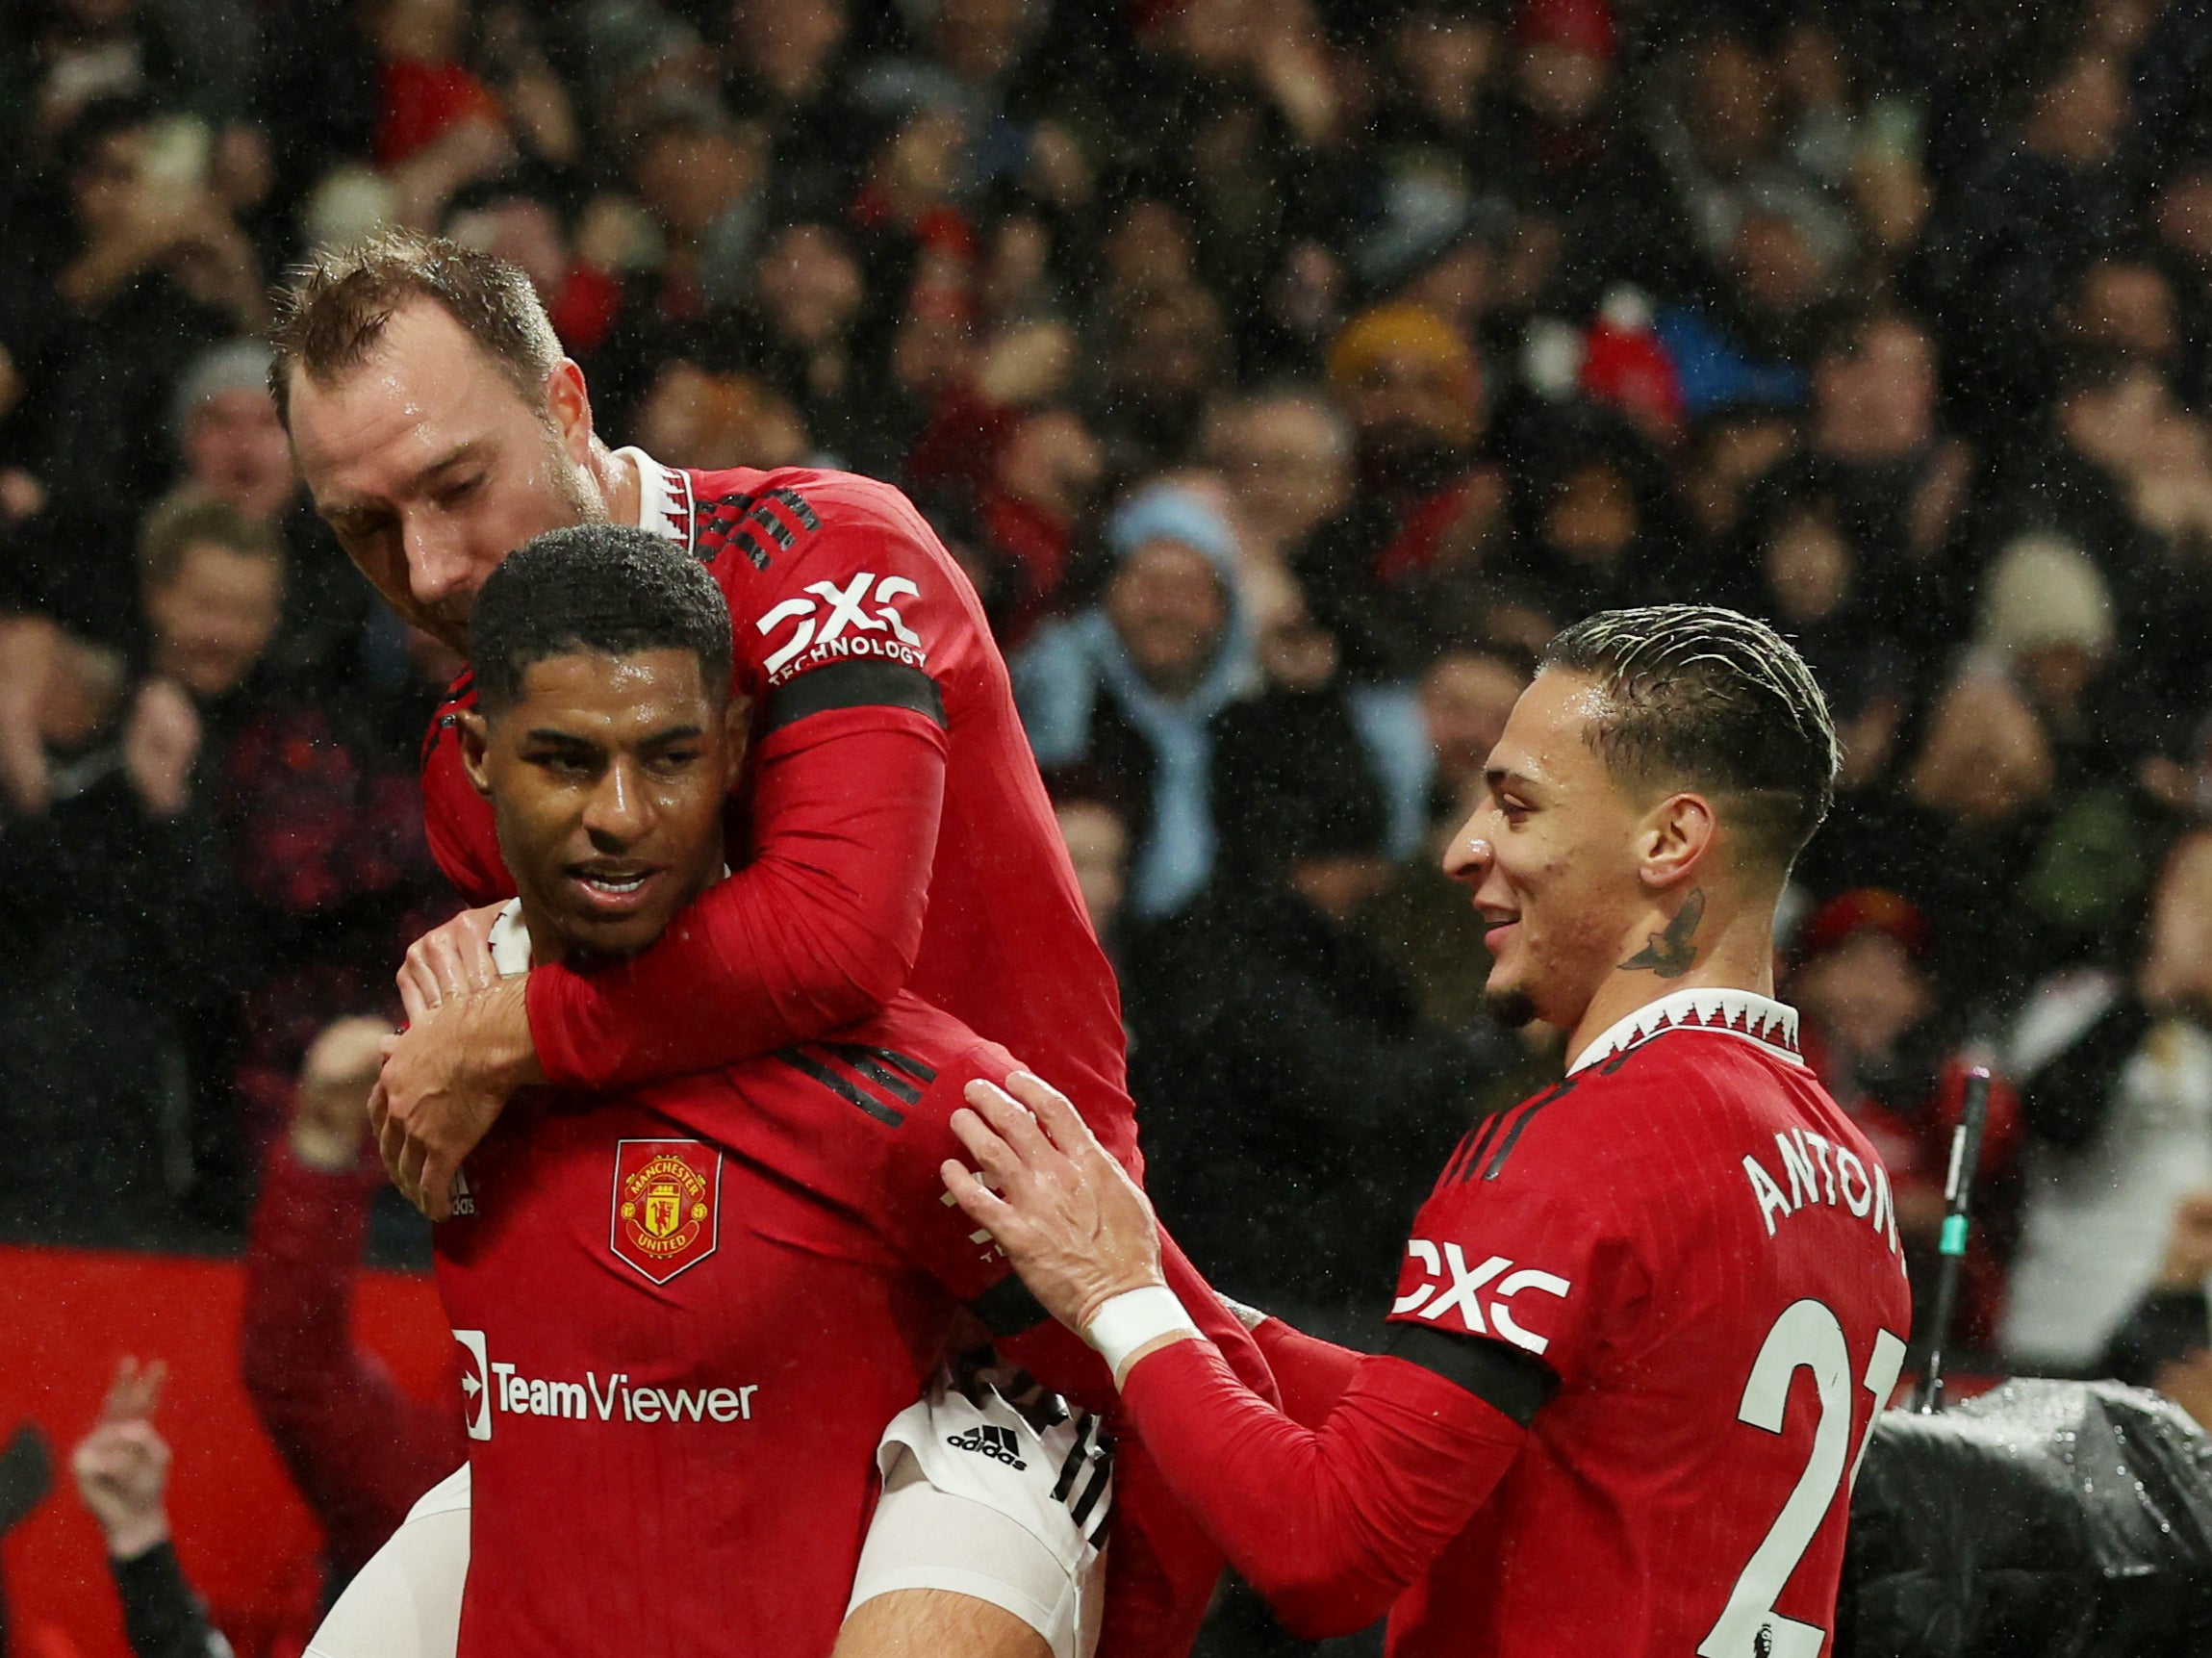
x,y
687,1312
895,834
1665,1238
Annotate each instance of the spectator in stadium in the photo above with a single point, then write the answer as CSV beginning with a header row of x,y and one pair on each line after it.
x,y
1167,353
122,1474
713,419
2166,1341
1465,695
1286,452
1426,504
783,63
1906,483
226,429
2124,471
1130,687
1272,1042
1883,1047
2124,305
812,294
510,219
115,296
1804,572
2115,1077
1576,162
1240,114
2180,224
322,814
1593,539
119,964
2024,767
2014,232
360,1450
1310,727
213,580
1724,457
1722,138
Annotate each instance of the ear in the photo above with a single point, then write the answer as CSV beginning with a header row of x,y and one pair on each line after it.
x,y
1673,840
740,728
475,749
571,406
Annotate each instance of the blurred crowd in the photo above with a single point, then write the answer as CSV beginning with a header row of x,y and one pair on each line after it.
x,y
1283,372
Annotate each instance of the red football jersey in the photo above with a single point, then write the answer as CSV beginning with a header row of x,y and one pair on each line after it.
x,y
686,1315
848,614
1702,1247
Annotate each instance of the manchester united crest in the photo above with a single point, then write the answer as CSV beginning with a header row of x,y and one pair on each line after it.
x,y
665,1197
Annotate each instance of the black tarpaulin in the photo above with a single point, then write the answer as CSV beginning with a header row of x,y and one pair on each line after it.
x,y
2045,1520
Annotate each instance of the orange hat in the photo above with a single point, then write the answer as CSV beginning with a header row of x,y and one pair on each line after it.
x,y
1400,326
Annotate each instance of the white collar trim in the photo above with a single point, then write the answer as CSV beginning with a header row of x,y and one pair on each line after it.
x,y
664,496
1741,1014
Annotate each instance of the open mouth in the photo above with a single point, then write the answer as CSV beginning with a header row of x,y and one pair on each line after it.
x,y
612,889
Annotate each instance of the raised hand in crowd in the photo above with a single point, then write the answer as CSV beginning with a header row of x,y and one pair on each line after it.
x,y
331,1121
161,740
122,1466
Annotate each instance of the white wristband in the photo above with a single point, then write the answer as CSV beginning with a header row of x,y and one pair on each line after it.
x,y
1130,1319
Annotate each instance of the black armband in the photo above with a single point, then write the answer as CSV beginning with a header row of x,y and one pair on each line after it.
x,y
1516,1382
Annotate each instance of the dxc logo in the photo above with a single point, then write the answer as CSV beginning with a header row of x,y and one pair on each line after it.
x,y
846,611
1466,1297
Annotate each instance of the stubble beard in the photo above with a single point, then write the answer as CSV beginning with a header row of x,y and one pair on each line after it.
x,y
579,496
1513,1009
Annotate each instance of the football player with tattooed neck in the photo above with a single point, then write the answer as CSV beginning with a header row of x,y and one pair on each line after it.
x,y
1587,1432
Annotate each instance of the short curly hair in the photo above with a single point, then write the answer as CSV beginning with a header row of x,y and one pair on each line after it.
x,y
1695,696
599,588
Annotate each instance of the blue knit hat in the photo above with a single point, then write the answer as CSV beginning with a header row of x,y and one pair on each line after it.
x,y
1179,512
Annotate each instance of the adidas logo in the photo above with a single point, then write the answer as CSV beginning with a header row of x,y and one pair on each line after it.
x,y
990,1440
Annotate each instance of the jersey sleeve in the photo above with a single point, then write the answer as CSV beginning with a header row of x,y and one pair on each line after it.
x,y
846,650
1512,1253
456,820
919,1216
1331,1524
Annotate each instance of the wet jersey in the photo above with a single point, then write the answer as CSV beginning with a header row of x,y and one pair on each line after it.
x,y
685,1315
849,617
1702,1248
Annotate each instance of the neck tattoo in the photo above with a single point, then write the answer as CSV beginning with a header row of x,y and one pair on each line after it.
x,y
1670,954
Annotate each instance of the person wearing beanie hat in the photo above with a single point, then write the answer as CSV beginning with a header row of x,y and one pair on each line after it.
x,y
2044,594
226,426
1424,498
234,452
1875,1033
1129,686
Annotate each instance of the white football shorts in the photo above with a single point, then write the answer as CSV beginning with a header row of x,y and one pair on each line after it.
x,y
993,1489
980,1498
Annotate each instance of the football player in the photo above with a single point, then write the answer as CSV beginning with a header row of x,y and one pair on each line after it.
x,y
687,1308
895,834
1646,1318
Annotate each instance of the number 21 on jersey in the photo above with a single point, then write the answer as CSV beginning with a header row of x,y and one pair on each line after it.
x,y
1808,1336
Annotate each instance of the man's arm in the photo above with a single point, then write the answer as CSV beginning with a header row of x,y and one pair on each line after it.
x,y
360,1450
1330,1523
